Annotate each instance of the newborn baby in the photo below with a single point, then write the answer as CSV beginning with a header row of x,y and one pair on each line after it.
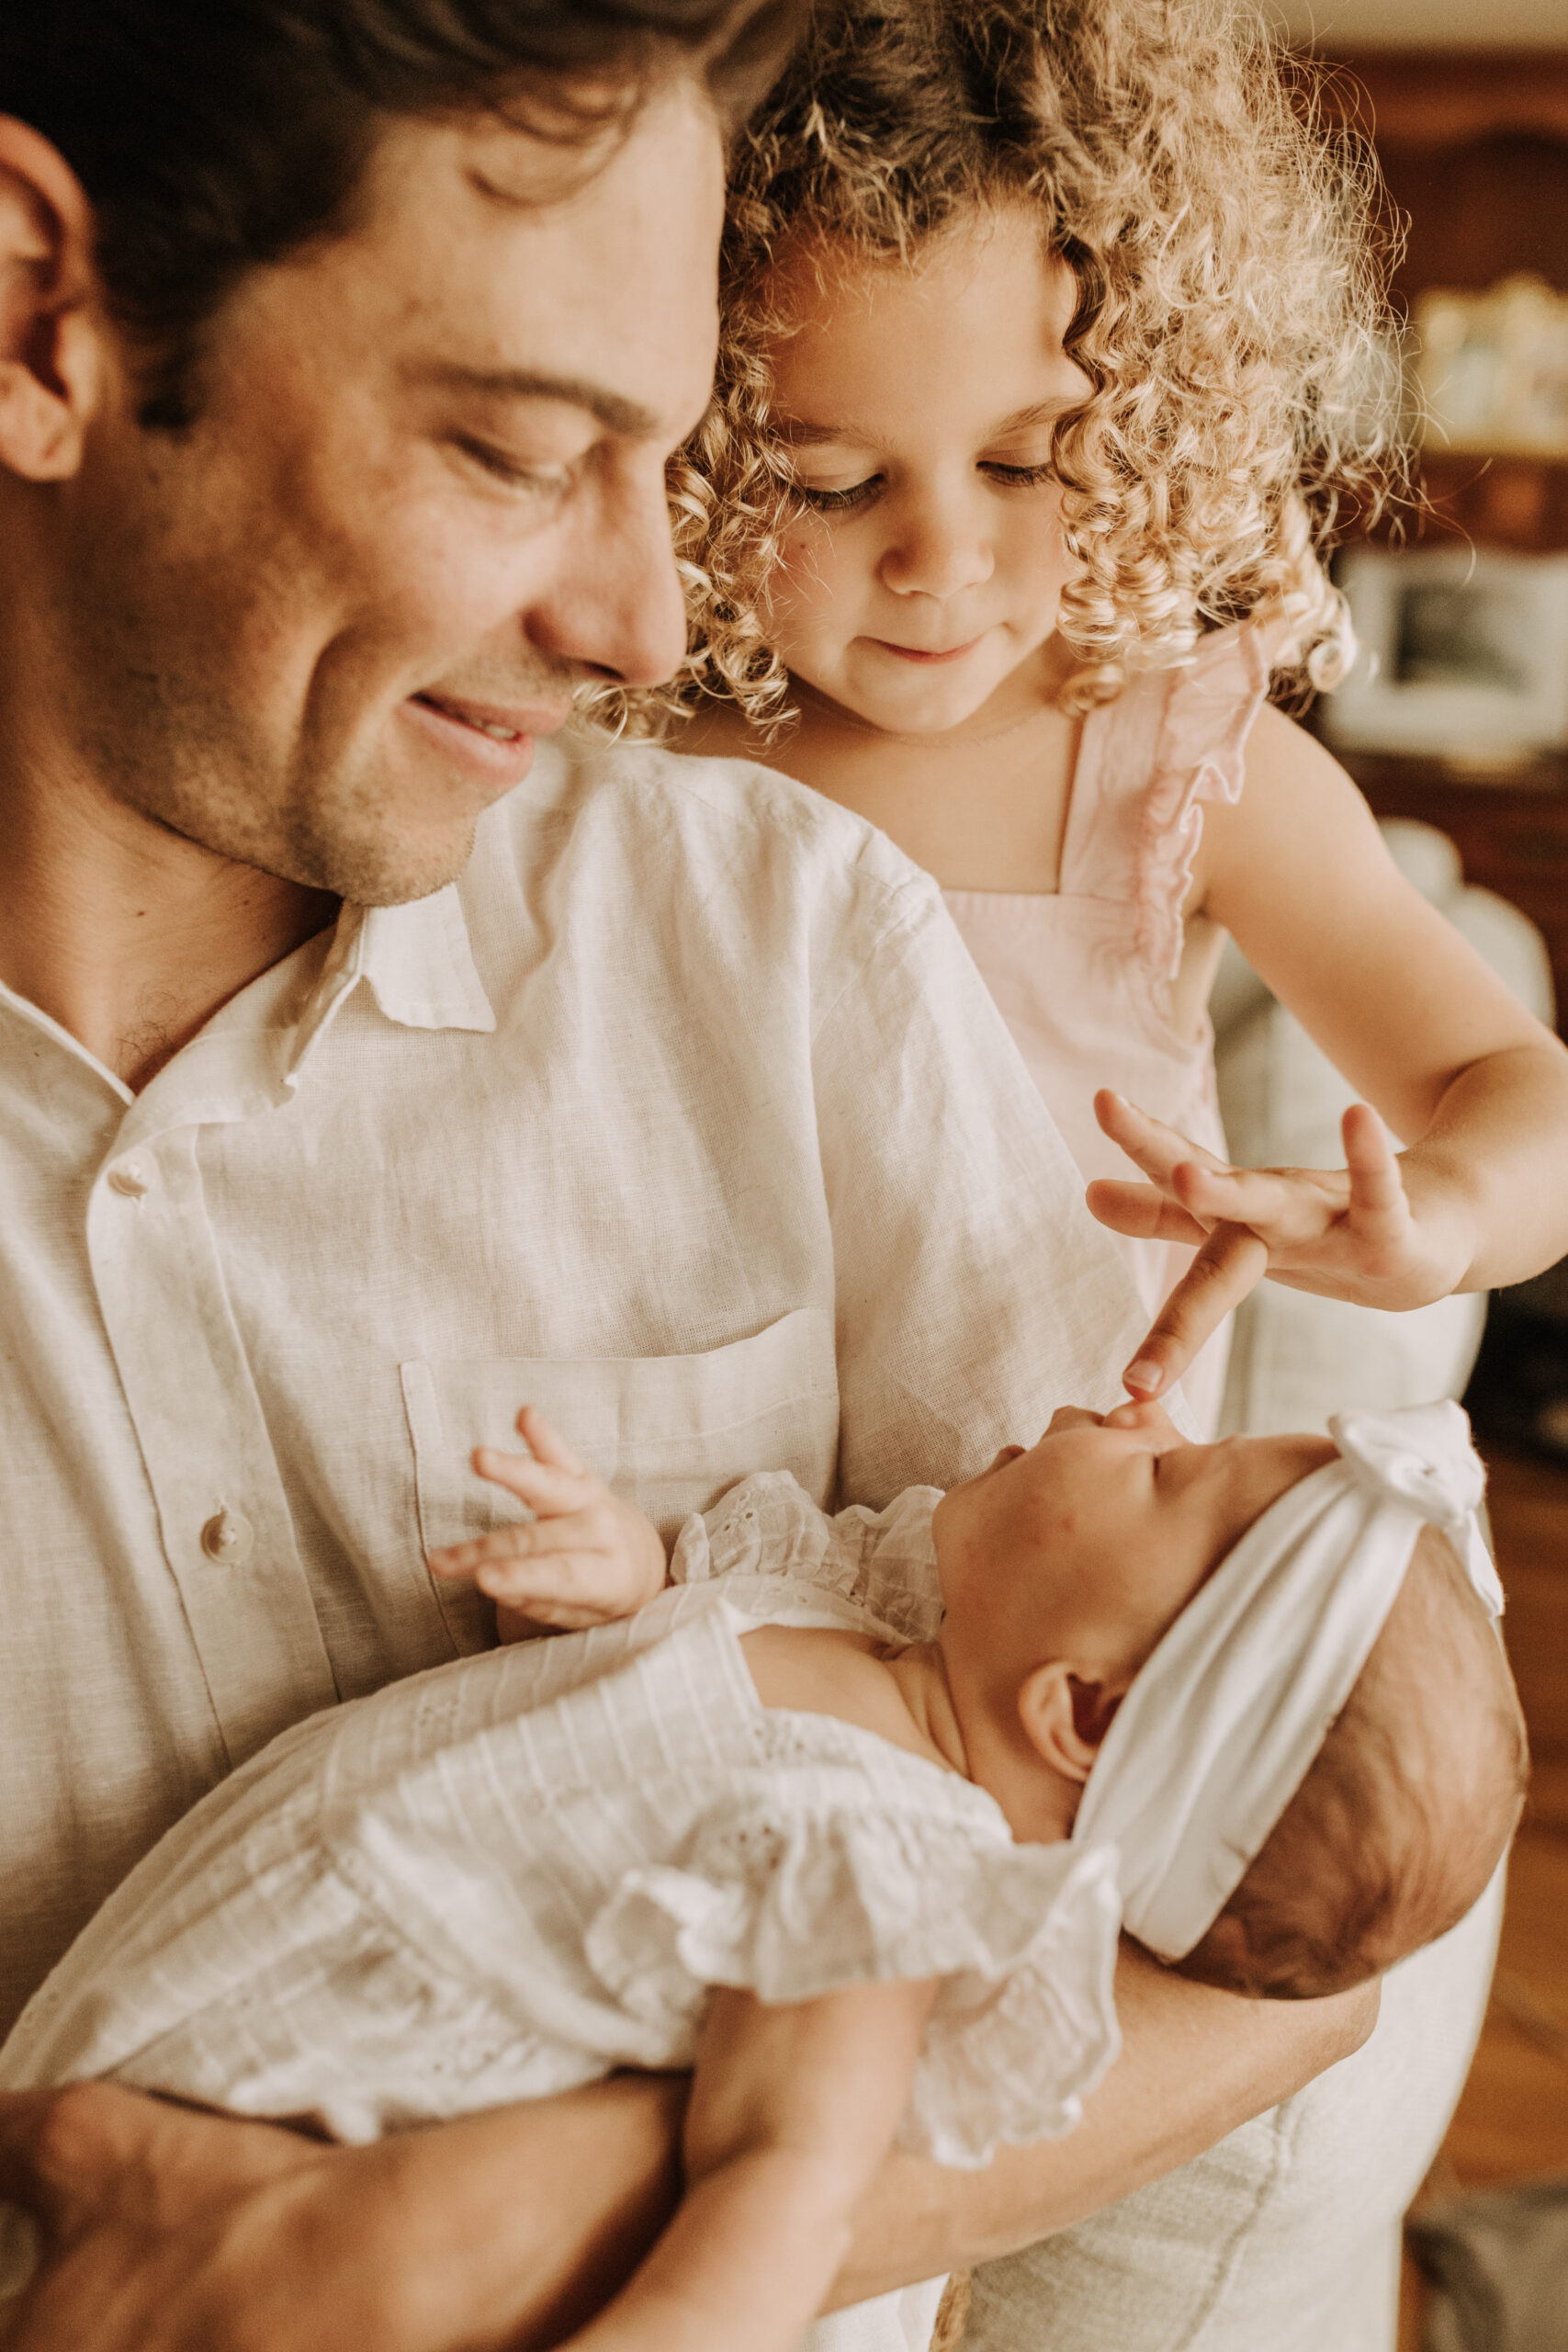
x,y
846,1820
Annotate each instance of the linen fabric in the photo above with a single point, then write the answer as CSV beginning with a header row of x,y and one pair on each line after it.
x,y
1222,1722
683,1114
1083,976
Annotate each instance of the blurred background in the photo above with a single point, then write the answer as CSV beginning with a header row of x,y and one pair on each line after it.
x,y
1460,722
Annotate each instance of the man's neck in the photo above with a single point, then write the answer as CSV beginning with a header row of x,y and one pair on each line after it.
x,y
127,935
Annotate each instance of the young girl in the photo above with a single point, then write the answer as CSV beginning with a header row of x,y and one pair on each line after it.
x,y
846,1820
1049,338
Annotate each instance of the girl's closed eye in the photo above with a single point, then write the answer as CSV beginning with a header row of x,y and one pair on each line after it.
x,y
1004,476
1019,477
841,502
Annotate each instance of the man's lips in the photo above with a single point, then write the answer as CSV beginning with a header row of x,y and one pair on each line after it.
x,y
503,722
492,740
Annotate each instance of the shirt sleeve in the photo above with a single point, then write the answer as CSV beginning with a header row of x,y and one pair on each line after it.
x,y
975,1294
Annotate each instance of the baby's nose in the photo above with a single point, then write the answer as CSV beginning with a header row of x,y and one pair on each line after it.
x,y
1141,1415
1074,1417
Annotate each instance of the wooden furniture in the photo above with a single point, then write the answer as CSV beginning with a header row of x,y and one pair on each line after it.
x,y
1512,835
1474,149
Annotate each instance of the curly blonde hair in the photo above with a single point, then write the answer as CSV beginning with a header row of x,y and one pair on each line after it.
x,y
1229,253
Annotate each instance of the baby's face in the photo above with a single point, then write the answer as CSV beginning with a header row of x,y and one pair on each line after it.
x,y
1110,1525
918,404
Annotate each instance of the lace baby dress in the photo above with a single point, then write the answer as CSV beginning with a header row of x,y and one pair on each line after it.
x,y
1084,978
510,1875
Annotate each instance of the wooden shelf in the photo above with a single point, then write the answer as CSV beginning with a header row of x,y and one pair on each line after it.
x,y
1511,832
1506,500
1429,100
1473,147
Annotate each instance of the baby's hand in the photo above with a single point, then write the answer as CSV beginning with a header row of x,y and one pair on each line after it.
x,y
584,1558
1350,1232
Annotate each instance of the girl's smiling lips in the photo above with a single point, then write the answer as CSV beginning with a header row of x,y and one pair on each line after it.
x,y
916,653
493,742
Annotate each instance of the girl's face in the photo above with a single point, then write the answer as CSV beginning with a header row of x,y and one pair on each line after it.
x,y
918,404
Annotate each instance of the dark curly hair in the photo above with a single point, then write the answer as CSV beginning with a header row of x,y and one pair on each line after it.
x,y
212,136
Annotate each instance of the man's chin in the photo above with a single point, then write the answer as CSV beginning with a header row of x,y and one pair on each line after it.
x,y
372,869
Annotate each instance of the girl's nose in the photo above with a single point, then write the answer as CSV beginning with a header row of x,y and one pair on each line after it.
x,y
937,550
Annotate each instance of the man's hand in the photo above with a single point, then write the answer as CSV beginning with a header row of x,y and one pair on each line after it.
x,y
167,2230
1352,1233
585,1556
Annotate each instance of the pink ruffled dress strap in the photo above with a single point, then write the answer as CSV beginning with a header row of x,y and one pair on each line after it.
x,y
1170,741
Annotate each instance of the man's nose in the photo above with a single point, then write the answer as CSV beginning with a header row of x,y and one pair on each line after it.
x,y
614,610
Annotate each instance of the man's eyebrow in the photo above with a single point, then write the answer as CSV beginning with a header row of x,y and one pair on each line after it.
x,y
803,430
613,409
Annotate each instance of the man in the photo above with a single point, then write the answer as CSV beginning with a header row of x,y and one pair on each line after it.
x,y
342,345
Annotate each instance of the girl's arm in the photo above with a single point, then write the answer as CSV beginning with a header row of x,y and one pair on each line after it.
x,y
1298,872
792,2108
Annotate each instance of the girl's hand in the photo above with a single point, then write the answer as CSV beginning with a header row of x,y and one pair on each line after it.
x,y
585,1556
1349,1233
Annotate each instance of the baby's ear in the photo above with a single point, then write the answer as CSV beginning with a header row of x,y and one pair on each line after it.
x,y
1064,1718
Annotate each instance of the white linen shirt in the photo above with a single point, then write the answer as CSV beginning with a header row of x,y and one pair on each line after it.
x,y
683,1114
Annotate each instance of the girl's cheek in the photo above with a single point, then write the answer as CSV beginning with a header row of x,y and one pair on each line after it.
x,y
808,589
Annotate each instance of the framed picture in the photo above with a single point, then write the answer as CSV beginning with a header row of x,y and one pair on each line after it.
x,y
1464,653
1492,369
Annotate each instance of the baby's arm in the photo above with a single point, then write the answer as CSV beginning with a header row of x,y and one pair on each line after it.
x,y
793,2109
585,1556
1417,1022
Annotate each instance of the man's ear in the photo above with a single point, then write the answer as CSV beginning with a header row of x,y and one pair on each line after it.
x,y
1064,1718
50,349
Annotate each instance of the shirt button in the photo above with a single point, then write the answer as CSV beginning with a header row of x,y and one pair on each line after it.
x,y
129,1177
227,1538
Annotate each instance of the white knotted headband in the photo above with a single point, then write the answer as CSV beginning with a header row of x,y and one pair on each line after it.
x,y
1221,1724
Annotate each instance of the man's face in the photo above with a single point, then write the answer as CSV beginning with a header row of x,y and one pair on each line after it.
x,y
421,501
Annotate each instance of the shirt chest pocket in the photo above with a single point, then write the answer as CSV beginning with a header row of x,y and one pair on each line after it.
x,y
672,1433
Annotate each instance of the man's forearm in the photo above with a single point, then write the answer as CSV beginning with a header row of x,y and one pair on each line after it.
x,y
1195,2064
503,2231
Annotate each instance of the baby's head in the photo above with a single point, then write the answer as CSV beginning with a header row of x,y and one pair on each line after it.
x,y
1368,1757
1087,260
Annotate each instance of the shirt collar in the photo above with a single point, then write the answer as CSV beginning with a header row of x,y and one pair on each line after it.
x,y
417,961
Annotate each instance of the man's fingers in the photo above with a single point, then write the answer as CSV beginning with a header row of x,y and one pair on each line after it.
x,y
1156,1148
1377,1184
27,2177
1141,1211
545,1443
1231,1263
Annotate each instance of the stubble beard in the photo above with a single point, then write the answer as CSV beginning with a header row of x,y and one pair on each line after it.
x,y
180,756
